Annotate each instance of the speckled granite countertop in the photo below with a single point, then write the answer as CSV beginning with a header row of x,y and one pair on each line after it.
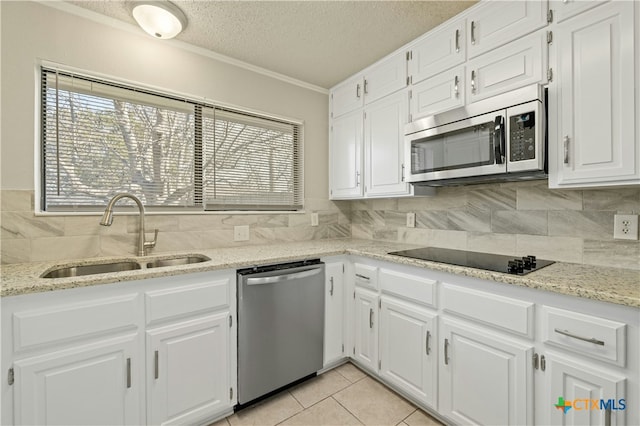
x,y
614,285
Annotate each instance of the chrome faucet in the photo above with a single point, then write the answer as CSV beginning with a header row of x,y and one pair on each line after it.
x,y
107,220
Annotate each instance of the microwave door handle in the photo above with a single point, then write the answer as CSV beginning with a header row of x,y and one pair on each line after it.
x,y
498,138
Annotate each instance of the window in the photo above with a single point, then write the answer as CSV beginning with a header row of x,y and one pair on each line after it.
x,y
101,138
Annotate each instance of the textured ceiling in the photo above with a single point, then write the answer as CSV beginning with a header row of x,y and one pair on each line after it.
x,y
318,42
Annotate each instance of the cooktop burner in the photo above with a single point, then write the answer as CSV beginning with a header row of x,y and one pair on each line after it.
x,y
490,262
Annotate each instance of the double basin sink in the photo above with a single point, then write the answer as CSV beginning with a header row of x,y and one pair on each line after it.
x,y
129,265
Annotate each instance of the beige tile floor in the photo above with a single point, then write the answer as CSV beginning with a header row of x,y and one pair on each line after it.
x,y
342,396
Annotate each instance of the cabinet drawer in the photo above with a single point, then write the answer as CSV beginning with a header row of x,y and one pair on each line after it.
x,y
504,313
63,323
417,289
186,300
366,276
591,336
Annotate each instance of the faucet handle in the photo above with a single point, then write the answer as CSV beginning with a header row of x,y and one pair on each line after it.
x,y
151,244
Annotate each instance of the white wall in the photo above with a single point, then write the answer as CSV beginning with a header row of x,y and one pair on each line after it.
x,y
33,31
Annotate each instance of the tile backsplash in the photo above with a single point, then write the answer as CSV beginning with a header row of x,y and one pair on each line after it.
x,y
26,237
508,218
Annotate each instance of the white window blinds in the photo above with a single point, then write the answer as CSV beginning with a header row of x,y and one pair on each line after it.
x,y
251,163
101,138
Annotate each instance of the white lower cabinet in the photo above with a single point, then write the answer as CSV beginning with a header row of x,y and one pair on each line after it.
x,y
158,351
485,378
408,349
366,329
592,395
333,313
188,368
87,384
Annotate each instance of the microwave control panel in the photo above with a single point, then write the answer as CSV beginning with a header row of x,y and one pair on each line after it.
x,y
522,137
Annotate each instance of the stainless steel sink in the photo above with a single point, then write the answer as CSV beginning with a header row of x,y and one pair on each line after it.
x,y
185,260
100,268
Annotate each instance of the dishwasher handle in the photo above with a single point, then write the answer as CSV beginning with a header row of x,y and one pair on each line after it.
x,y
283,277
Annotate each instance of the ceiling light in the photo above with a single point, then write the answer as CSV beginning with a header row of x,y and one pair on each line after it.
x,y
161,19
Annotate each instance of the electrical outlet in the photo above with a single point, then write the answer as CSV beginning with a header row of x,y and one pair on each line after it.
x,y
411,220
241,233
625,227
314,219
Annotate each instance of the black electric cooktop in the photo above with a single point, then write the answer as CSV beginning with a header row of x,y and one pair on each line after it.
x,y
490,262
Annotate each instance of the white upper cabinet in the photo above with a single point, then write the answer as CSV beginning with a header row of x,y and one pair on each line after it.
x,y
593,139
518,64
384,123
438,51
385,77
345,156
377,81
347,97
437,94
494,23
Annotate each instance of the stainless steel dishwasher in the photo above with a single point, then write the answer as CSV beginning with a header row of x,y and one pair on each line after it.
x,y
280,326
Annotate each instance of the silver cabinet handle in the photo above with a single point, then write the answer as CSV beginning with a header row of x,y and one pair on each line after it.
x,y
575,336
358,90
428,343
366,84
128,373
566,149
357,178
402,175
473,32
364,277
473,82
446,351
455,86
371,318
457,41
156,366
331,289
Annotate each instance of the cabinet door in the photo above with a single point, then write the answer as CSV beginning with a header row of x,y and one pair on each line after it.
x,y
485,378
408,349
384,123
333,312
385,77
346,156
572,381
366,329
593,99
438,94
188,370
347,97
440,50
495,23
516,65
94,384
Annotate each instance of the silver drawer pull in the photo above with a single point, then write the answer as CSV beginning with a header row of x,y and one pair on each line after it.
x,y
370,318
586,339
363,277
331,290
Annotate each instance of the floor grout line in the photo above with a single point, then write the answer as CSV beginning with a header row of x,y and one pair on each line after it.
x,y
348,411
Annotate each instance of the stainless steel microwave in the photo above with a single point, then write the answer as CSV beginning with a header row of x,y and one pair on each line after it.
x,y
497,139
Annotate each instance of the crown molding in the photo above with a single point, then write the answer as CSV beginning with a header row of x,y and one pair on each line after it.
x,y
115,23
